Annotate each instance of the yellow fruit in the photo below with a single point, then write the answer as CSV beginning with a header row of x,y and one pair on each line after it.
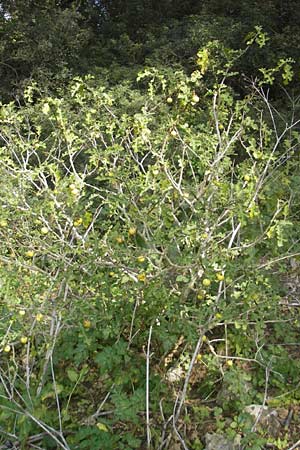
x,y
72,186
218,316
75,191
119,240
7,348
169,100
87,323
22,312
229,362
206,282
199,357
173,133
204,338
195,98
247,178
44,230
3,223
111,274
29,253
39,317
24,340
77,222
141,277
201,295
141,258
220,277
132,231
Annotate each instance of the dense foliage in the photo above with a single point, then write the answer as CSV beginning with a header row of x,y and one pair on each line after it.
x,y
149,223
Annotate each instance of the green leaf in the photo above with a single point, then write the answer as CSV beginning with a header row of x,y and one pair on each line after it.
x,y
72,375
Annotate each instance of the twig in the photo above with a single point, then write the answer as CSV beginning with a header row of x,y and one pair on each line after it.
x,y
296,445
147,389
267,374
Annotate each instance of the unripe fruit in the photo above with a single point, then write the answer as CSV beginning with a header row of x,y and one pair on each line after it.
x,y
29,253
7,348
195,98
141,277
220,277
87,323
141,258
247,178
3,223
132,231
173,133
44,230
201,295
22,312
77,222
39,317
24,340
206,282
199,357
169,100
229,363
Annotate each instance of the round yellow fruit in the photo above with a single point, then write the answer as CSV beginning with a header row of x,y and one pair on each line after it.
x,y
3,223
169,100
247,178
77,222
39,317
229,363
30,253
75,191
22,312
24,340
199,358
201,295
44,230
204,338
7,348
141,277
220,276
218,316
206,282
173,133
87,323
141,259
132,231
72,186
195,98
